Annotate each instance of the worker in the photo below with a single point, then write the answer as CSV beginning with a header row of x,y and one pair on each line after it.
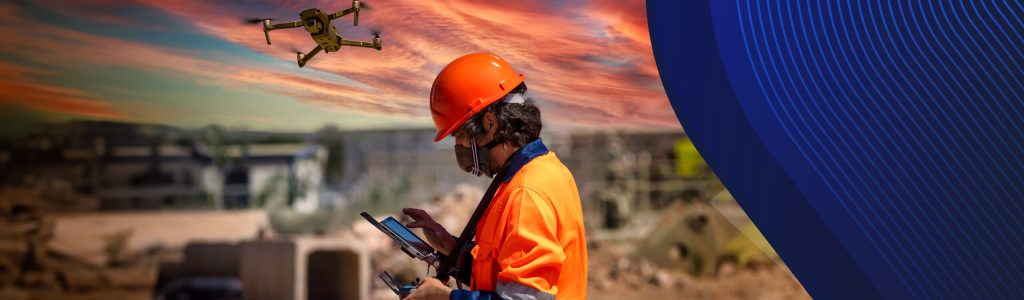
x,y
529,242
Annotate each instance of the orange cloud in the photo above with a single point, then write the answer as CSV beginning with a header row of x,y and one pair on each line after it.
x,y
595,60
60,47
588,65
17,88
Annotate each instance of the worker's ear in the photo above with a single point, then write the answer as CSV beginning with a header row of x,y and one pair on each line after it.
x,y
490,123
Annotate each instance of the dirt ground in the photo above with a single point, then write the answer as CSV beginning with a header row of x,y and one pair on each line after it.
x,y
766,283
85,235
616,276
109,294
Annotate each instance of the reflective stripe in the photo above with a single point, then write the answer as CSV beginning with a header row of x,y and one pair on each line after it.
x,y
516,291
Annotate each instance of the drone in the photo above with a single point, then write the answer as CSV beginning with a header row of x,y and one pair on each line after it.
x,y
318,24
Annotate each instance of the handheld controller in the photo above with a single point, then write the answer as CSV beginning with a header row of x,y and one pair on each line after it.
x,y
410,243
402,290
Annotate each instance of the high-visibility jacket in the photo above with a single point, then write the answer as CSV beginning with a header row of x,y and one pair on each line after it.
x,y
530,242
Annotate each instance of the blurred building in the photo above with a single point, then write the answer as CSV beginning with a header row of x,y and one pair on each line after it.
x,y
276,174
143,167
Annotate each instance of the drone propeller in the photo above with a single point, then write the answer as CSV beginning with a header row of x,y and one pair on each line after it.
x,y
376,38
362,6
255,20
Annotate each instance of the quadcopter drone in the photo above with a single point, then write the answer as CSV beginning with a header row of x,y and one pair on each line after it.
x,y
319,26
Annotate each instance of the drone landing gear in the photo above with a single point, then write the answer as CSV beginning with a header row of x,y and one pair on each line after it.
x,y
303,58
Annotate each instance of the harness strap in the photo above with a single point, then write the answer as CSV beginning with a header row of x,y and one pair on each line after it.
x,y
448,265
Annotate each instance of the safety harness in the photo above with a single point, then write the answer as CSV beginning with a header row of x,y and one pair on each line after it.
x,y
456,265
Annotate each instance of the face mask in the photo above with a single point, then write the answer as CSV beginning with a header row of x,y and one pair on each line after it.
x,y
475,160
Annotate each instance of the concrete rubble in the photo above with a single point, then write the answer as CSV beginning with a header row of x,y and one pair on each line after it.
x,y
615,275
30,268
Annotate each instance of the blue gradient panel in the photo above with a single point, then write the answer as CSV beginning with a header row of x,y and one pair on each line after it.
x,y
876,144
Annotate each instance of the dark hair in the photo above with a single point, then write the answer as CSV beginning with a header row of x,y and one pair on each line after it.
x,y
518,123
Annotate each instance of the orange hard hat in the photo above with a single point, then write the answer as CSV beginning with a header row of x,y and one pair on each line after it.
x,y
466,86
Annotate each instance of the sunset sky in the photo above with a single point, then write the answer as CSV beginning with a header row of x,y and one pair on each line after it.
x,y
193,63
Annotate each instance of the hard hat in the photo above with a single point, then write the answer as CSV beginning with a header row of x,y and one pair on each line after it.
x,y
466,86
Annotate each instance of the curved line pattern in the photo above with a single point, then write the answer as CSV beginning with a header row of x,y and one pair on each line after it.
x,y
930,159
946,149
901,138
903,108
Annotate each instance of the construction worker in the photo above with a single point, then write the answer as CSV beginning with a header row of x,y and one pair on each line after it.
x,y
529,242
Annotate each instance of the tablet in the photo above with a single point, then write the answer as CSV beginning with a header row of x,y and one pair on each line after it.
x,y
410,243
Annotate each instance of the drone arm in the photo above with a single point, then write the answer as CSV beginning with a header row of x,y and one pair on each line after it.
x,y
283,26
341,14
375,44
303,58
360,44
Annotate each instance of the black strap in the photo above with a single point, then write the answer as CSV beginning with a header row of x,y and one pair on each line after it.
x,y
446,269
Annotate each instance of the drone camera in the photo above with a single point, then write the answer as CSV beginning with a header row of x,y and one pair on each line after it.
x,y
314,26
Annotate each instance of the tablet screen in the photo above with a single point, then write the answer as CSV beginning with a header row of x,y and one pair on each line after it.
x,y
407,235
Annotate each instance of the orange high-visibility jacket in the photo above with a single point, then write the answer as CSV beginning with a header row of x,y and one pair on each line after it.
x,y
530,242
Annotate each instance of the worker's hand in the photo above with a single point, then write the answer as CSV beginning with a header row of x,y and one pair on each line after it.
x,y
437,236
430,289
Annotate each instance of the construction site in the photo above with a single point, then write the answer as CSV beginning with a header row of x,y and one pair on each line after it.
x,y
109,210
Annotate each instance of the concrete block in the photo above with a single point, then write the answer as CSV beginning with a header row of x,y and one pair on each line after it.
x,y
330,275
305,268
269,270
212,259
167,273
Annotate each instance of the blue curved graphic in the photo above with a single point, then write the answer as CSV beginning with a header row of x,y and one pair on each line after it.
x,y
876,144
